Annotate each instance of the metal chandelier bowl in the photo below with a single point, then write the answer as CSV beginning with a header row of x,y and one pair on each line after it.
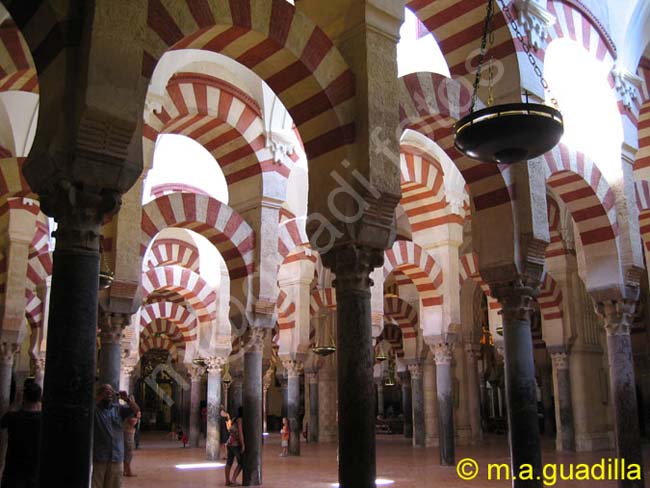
x,y
508,133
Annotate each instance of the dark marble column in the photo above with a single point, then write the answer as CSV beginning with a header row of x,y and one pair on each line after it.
x,y
473,352
312,425
356,400
236,392
521,394
69,395
407,409
293,404
380,397
442,354
618,316
110,354
417,403
253,407
284,386
213,366
195,403
565,440
546,385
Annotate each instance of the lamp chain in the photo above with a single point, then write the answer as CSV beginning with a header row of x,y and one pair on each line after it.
x,y
526,47
481,57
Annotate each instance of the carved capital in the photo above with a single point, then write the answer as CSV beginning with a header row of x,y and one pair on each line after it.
x,y
79,212
626,84
292,367
617,314
8,351
416,370
111,327
516,298
353,265
535,20
560,357
213,364
442,353
255,339
196,371
127,370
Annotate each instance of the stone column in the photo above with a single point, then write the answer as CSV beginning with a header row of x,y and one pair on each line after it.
x,y
293,404
417,393
546,386
253,407
407,409
69,395
226,388
196,372
126,378
236,392
380,397
7,354
521,395
39,366
312,430
430,402
267,382
110,355
473,352
618,316
327,425
442,354
356,400
213,366
565,437
284,386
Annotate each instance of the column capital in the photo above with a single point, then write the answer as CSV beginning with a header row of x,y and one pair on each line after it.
x,y
255,339
111,327
8,351
404,378
196,371
442,353
312,377
559,356
516,297
213,364
416,370
473,351
617,314
292,367
127,370
79,211
352,266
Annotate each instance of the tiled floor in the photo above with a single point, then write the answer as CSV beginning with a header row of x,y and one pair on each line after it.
x,y
408,467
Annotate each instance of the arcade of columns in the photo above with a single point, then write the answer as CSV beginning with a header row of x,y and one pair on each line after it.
x,y
453,268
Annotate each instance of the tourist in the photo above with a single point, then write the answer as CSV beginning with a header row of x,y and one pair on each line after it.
x,y
224,427
108,439
236,447
284,433
129,442
21,462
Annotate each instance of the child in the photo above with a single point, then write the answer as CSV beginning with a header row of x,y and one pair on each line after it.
x,y
285,437
182,436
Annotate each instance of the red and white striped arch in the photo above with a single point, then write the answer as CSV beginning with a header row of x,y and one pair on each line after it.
x,y
642,163
403,314
414,262
556,246
469,270
149,342
578,182
282,46
166,327
292,233
642,191
422,178
457,27
12,181
222,118
172,313
217,222
39,267
393,335
173,251
17,70
431,104
185,283
550,299
33,309
322,298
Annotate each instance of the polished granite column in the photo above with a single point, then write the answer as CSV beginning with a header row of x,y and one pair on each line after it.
x,y
417,401
213,366
473,353
356,399
407,410
565,439
618,315
312,426
293,404
253,407
442,354
196,372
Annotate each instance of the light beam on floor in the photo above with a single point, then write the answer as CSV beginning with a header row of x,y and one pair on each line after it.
x,y
378,482
199,466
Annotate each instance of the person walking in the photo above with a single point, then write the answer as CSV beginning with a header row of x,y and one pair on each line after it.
x,y
129,442
236,447
284,435
23,426
108,439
